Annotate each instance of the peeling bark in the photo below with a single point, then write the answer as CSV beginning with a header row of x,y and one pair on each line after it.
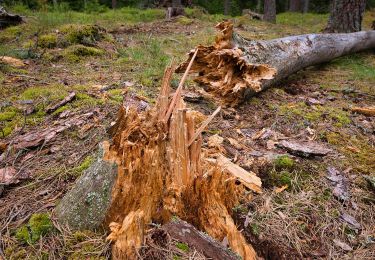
x,y
235,68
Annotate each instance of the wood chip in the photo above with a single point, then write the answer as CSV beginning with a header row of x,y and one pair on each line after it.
x,y
367,111
14,62
281,189
342,245
249,179
215,141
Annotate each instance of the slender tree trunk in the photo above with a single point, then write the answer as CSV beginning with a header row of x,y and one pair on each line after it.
x,y
259,6
55,4
306,6
270,11
227,4
346,16
295,5
114,4
176,3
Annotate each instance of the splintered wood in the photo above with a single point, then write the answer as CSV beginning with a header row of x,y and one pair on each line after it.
x,y
224,70
163,171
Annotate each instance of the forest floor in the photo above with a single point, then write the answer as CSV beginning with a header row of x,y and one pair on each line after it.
x,y
127,51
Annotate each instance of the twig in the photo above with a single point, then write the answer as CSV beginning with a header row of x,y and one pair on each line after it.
x,y
203,126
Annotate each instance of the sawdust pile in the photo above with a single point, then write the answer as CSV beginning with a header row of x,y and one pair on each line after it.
x,y
224,70
164,171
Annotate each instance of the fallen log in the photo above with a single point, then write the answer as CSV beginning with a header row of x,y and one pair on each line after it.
x,y
156,168
235,68
7,19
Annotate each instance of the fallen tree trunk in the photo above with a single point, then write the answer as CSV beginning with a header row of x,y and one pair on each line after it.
x,y
236,68
155,168
7,19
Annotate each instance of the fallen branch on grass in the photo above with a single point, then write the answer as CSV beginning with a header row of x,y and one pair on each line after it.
x,y
154,169
235,68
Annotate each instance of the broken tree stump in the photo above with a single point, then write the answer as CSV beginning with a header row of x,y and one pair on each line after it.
x,y
161,171
235,68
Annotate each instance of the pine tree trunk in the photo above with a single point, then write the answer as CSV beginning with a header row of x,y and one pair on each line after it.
x,y
295,6
270,11
114,4
306,6
346,16
227,4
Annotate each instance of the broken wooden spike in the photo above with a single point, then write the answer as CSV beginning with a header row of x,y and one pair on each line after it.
x,y
177,94
204,125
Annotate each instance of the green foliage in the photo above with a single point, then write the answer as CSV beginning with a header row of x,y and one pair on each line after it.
x,y
82,34
360,68
39,225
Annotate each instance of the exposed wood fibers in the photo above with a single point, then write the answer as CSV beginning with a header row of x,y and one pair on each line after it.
x,y
163,172
223,69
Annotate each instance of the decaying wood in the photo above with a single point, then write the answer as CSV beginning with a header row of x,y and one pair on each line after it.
x,y
367,111
304,149
235,68
188,234
63,102
7,19
163,171
252,14
12,61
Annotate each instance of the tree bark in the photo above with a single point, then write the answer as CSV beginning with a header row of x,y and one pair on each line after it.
x,y
306,4
270,11
227,7
236,68
186,233
7,19
295,5
114,4
346,16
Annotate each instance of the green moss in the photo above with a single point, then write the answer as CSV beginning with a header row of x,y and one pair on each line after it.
x,y
182,246
47,40
76,52
23,235
183,20
10,33
84,165
6,116
82,34
255,229
39,225
60,110
284,162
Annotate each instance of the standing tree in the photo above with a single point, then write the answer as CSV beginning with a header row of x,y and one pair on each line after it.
x,y
227,5
295,5
346,16
306,6
114,4
270,11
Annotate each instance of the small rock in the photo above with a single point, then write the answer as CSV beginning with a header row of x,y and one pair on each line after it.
x,y
313,101
304,149
192,97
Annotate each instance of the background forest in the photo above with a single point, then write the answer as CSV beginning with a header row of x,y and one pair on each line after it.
x,y
229,7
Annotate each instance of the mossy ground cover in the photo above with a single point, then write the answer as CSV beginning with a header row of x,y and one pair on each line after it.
x,y
82,52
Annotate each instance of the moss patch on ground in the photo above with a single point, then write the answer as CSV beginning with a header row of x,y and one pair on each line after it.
x,y
38,226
